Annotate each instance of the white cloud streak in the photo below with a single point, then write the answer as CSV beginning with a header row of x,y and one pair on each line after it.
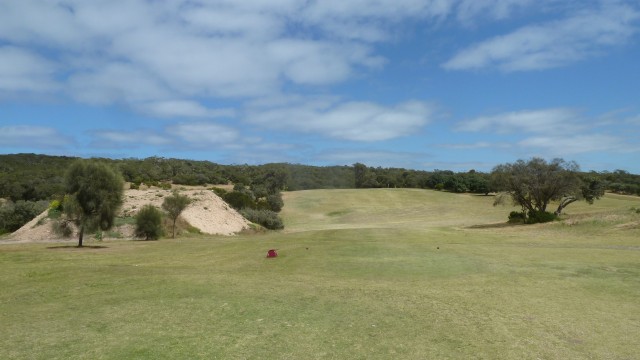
x,y
557,120
554,44
203,134
577,144
355,121
23,70
183,108
111,139
25,136
555,132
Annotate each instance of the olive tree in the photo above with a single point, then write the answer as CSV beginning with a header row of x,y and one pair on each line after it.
x,y
174,205
534,184
94,196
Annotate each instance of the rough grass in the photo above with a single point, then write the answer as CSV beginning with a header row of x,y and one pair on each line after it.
x,y
362,274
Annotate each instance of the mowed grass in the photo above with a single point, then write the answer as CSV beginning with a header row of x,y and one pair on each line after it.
x,y
362,274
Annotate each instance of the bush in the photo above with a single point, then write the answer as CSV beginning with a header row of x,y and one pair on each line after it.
x,y
536,217
266,218
219,191
62,228
239,200
517,217
14,215
275,202
149,223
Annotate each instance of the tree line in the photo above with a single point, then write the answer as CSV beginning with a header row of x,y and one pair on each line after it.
x,y
33,177
29,181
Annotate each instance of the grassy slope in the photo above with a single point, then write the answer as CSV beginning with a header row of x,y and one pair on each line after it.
x,y
361,274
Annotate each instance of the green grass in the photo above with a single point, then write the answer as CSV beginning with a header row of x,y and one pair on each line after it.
x,y
362,274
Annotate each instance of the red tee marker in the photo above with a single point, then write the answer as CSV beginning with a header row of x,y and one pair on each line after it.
x,y
272,253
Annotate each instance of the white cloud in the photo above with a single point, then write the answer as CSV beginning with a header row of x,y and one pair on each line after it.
x,y
116,82
470,10
23,136
568,145
553,44
557,120
391,10
476,145
109,138
355,121
144,51
232,21
317,63
22,70
554,132
182,108
181,136
41,22
203,134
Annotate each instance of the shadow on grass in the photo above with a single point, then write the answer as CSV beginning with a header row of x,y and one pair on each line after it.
x,y
77,247
495,225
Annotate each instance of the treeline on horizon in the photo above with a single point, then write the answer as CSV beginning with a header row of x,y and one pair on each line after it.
x,y
31,177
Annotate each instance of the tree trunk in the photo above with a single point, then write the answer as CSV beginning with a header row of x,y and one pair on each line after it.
x,y
563,204
173,236
80,235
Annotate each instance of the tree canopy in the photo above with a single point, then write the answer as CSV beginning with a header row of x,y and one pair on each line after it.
x,y
94,196
174,205
534,184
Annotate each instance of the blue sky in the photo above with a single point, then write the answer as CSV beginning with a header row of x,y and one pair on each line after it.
x,y
432,84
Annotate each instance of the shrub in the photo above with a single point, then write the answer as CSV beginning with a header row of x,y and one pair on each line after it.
x,y
239,200
219,191
149,223
62,228
14,215
275,202
134,186
55,205
540,217
517,217
266,218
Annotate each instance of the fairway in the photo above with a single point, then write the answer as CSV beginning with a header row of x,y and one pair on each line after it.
x,y
361,274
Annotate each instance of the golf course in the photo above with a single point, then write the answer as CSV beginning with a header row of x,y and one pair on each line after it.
x,y
360,274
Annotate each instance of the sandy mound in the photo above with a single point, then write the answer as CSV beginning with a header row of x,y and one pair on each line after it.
x,y
206,212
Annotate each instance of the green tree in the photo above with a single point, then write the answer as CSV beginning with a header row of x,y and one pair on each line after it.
x,y
275,202
95,193
360,171
174,205
536,183
591,189
149,223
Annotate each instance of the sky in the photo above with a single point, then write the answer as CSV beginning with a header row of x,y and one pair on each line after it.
x,y
420,84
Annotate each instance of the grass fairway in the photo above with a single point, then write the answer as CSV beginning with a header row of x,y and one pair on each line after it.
x,y
362,274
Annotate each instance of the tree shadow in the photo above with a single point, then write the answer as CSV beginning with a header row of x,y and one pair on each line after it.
x,y
60,247
495,225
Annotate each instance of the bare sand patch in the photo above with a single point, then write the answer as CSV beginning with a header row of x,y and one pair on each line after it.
x,y
207,212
